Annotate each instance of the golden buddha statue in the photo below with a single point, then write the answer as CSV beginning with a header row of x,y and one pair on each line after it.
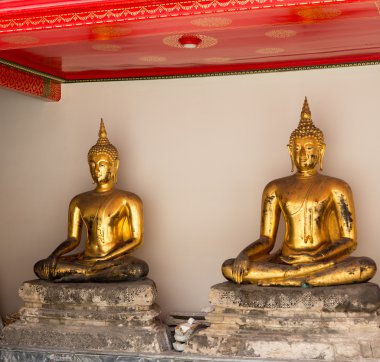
x,y
320,230
114,225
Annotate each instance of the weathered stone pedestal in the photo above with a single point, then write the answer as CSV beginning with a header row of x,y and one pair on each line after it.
x,y
88,317
339,323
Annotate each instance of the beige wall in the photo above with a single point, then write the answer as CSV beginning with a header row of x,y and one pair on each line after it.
x,y
197,151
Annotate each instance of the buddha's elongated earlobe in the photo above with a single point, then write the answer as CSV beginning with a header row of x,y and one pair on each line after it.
x,y
290,149
322,148
91,175
115,169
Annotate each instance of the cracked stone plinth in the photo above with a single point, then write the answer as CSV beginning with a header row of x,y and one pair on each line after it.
x,y
338,323
119,316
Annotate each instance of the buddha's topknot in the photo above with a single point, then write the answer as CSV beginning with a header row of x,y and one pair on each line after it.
x,y
103,145
306,127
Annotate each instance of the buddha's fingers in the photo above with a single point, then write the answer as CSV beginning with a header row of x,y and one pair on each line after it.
x,y
236,273
236,276
241,274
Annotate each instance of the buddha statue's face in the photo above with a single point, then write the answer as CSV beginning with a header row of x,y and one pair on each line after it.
x,y
306,153
103,168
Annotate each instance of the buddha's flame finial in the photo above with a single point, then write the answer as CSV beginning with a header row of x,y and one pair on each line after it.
x,y
306,127
102,129
103,145
305,113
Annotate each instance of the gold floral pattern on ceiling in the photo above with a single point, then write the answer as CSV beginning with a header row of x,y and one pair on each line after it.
x,y
212,22
106,32
319,13
281,33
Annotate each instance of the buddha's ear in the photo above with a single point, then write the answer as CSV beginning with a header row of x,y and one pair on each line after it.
x,y
290,149
115,169
322,148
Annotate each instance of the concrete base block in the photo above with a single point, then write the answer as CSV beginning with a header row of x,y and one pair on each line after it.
x,y
339,323
89,317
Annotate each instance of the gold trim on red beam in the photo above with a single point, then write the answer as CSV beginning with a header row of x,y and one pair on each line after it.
x,y
148,11
32,71
237,72
29,84
175,76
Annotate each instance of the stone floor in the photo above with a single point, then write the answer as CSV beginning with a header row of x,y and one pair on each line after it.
x,y
18,355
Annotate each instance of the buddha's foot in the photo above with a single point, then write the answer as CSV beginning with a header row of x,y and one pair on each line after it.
x,y
70,269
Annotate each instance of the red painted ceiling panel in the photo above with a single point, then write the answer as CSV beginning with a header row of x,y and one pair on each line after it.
x,y
80,40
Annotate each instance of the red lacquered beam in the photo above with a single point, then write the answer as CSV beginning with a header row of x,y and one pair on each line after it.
x,y
30,84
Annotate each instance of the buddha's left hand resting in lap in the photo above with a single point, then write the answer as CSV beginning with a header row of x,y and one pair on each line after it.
x,y
320,229
114,225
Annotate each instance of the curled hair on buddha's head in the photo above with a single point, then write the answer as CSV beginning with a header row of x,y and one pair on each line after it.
x,y
306,127
103,145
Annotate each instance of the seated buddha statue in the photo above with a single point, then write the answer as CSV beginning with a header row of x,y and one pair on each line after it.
x,y
320,230
114,228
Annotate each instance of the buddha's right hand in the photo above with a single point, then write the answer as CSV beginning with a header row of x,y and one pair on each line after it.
x,y
240,268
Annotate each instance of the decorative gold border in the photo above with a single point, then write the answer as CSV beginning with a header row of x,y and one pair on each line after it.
x,y
32,71
29,84
147,11
202,75
238,72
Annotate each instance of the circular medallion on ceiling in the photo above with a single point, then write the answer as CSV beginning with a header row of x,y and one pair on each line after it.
x,y
153,59
203,41
20,39
219,60
281,33
211,22
320,13
106,32
106,47
269,51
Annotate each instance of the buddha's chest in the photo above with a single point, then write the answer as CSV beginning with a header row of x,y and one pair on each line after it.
x,y
305,201
102,212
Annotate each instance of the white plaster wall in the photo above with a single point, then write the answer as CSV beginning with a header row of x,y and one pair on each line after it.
x,y
197,151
